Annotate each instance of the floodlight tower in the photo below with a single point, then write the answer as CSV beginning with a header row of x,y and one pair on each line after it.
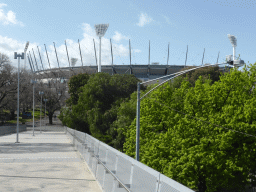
x,y
232,39
100,32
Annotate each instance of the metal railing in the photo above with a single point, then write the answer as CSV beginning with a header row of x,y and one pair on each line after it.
x,y
4,130
116,171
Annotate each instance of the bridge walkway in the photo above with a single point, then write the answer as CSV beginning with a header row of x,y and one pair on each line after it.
x,y
44,162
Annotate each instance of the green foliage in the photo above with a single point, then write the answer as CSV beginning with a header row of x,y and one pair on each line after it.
x,y
100,96
207,73
100,100
178,143
75,84
202,156
126,113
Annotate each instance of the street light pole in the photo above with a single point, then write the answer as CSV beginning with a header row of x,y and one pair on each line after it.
x,y
33,82
18,93
33,109
138,123
41,93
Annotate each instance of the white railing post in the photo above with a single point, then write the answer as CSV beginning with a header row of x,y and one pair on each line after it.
x,y
132,167
104,177
114,187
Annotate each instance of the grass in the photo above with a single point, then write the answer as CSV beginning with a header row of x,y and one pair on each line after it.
x,y
37,117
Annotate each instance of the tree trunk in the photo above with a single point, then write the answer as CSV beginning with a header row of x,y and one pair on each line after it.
x,y
50,118
202,184
12,115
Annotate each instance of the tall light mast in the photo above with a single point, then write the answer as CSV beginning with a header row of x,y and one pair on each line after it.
x,y
233,41
100,32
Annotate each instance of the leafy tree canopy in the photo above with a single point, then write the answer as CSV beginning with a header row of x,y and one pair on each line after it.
x,y
75,85
98,101
188,133
211,72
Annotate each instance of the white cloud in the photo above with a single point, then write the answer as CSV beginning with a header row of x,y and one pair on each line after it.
x,y
144,19
2,5
118,37
8,46
88,30
167,20
9,18
136,50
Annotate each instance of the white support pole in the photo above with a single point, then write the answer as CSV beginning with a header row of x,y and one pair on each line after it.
x,y
18,101
40,112
18,92
138,124
45,112
234,56
33,108
45,100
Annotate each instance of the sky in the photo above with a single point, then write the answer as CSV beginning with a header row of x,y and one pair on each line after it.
x,y
196,25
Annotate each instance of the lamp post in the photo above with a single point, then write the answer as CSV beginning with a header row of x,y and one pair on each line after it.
x,y
100,32
25,50
18,93
45,100
33,82
41,93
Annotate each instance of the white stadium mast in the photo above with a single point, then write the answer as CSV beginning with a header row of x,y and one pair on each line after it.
x,y
100,32
233,42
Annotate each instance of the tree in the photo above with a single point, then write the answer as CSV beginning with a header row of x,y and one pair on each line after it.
x,y
75,85
177,140
9,85
26,90
72,116
98,103
8,82
54,92
211,72
126,113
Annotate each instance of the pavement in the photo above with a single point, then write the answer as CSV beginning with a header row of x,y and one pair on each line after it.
x,y
44,122
44,162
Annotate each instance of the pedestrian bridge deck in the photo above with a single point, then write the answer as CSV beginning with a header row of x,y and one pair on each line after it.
x,y
44,162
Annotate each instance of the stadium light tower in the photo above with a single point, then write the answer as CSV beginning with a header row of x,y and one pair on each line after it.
x,y
232,39
100,32
238,62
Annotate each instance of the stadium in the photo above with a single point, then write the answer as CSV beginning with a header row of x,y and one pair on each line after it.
x,y
142,72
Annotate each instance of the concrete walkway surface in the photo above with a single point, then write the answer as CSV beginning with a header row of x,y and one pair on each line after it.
x,y
44,162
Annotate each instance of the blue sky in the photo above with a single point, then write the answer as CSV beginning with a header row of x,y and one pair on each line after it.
x,y
199,24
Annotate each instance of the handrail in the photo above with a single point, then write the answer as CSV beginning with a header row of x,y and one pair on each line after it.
x,y
120,182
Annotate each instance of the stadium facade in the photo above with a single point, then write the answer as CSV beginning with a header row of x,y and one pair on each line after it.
x,y
142,72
